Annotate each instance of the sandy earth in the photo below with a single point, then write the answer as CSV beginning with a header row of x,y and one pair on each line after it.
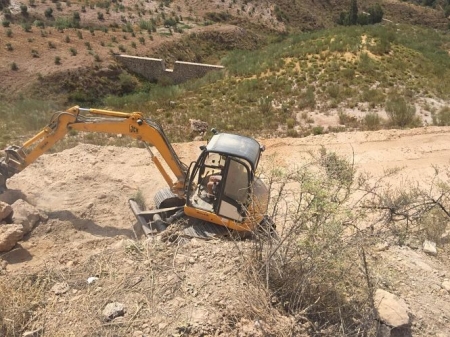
x,y
84,191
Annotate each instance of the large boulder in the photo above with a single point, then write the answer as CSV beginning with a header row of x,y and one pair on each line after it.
x,y
27,215
391,310
9,235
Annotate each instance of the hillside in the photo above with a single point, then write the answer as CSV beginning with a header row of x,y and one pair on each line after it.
x,y
44,39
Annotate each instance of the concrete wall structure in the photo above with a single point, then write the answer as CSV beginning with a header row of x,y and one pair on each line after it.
x,y
155,70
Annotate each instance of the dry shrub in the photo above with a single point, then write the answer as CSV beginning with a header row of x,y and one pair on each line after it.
x,y
315,271
20,299
410,209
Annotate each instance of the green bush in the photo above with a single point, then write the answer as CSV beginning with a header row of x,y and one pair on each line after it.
x,y
372,122
26,27
48,12
24,9
443,117
400,113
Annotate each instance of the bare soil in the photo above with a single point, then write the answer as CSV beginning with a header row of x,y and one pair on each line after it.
x,y
194,288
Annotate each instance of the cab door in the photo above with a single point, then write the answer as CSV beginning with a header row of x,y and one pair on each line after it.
x,y
235,190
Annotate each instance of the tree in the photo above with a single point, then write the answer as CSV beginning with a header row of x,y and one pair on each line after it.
x,y
353,13
48,12
376,13
24,10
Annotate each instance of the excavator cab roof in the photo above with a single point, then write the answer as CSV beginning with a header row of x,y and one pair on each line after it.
x,y
236,145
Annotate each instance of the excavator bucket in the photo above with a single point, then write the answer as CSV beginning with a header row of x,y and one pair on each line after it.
x,y
4,175
152,222
10,164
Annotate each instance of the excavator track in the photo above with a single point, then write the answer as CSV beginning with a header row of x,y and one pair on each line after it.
x,y
169,212
165,198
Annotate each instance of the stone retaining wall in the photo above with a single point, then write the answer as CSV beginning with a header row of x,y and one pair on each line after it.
x,y
155,69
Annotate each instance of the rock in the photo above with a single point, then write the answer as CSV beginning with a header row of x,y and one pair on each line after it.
x,y
60,288
391,310
9,235
198,125
6,211
429,247
11,196
445,238
446,285
381,246
26,214
113,310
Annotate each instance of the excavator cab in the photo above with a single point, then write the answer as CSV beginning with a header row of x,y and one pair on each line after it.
x,y
220,186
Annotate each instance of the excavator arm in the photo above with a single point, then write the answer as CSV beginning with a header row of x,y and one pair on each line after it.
x,y
97,121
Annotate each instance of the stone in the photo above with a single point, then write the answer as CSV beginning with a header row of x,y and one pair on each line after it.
x,y
198,125
6,211
381,246
11,196
26,214
60,288
113,310
446,285
391,310
429,247
10,234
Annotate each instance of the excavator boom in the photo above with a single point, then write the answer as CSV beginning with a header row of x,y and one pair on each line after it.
x,y
98,121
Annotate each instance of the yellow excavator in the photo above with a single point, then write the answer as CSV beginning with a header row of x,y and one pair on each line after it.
x,y
216,194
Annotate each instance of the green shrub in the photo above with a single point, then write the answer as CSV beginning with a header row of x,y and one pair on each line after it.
x,y
57,60
400,113
48,12
443,116
26,27
73,51
5,23
348,120
39,23
318,130
24,9
14,66
372,122
9,33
